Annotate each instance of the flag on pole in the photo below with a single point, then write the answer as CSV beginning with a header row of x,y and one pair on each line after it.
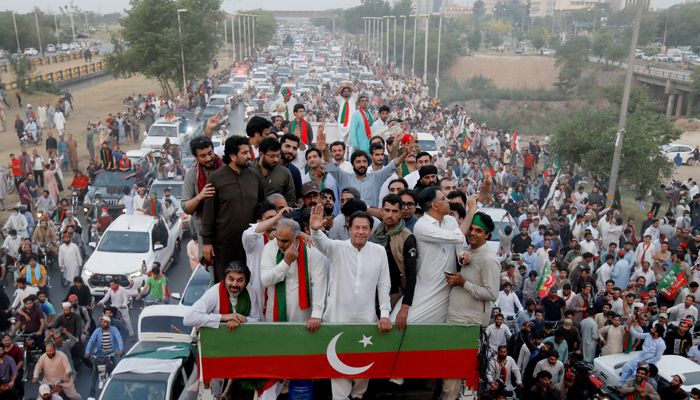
x,y
490,167
514,144
465,144
547,280
673,280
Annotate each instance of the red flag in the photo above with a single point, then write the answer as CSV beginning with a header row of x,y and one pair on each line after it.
x,y
547,280
465,144
673,280
513,143
491,171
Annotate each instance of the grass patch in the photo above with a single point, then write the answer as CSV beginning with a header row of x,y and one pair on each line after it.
x,y
480,88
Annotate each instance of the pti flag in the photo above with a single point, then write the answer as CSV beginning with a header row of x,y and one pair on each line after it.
x,y
672,281
514,142
547,280
289,351
465,144
490,167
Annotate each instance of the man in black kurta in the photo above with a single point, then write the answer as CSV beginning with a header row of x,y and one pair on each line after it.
x,y
237,189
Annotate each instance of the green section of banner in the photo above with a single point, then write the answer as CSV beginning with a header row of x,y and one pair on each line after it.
x,y
293,339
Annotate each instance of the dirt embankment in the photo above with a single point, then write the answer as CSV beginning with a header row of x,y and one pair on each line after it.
x,y
507,71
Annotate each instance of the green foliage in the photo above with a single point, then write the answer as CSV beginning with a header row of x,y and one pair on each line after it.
x,y
587,140
26,29
149,41
537,37
494,39
570,59
265,25
600,42
481,88
648,32
616,52
695,91
45,86
474,40
22,69
519,35
683,26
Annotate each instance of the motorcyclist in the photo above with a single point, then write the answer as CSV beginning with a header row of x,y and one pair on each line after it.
x,y
35,273
17,222
98,346
46,237
80,182
10,250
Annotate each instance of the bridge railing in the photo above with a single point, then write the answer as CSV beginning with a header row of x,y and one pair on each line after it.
x,y
683,77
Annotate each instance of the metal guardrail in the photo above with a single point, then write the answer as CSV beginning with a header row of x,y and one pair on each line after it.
x,y
663,74
41,61
62,75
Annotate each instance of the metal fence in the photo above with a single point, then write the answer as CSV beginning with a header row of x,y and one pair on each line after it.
x,y
683,77
41,61
62,75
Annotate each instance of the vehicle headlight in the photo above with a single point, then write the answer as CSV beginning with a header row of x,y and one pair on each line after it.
x,y
87,201
87,272
135,274
120,202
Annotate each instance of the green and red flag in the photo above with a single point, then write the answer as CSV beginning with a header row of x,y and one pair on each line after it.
x,y
673,280
465,144
547,280
289,351
490,167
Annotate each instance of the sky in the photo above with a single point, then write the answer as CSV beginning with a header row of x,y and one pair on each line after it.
x,y
109,6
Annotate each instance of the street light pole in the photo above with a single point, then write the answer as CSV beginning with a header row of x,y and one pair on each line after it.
x,y
403,49
623,107
437,72
19,49
425,56
253,20
245,34
380,22
38,34
72,25
55,22
240,38
233,38
182,51
226,43
415,30
388,24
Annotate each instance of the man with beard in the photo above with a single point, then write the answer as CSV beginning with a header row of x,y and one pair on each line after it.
x,y
408,211
314,159
359,280
33,320
673,390
369,185
8,368
400,245
612,337
676,340
346,97
652,349
290,145
428,177
229,211
13,351
551,365
360,125
543,389
637,387
504,367
285,105
55,366
275,178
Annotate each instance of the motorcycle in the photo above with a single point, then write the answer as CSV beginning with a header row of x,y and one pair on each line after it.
x,y
27,139
74,200
27,342
105,365
57,389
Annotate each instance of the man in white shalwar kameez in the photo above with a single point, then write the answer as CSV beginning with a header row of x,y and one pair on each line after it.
x,y
69,259
206,312
359,277
254,239
290,247
346,97
589,335
439,241
41,115
60,121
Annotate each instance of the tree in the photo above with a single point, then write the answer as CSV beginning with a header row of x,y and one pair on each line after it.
x,y
616,52
683,27
570,59
478,10
519,35
495,39
536,36
600,42
695,91
587,140
149,41
22,69
474,40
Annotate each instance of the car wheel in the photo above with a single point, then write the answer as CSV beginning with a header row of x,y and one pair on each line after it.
x,y
689,161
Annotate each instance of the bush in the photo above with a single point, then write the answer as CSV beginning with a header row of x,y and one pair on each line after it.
x,y
480,88
45,86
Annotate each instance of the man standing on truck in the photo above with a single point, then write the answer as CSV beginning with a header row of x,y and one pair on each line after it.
x,y
346,97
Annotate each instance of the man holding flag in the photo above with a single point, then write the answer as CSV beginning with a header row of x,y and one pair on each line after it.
x,y
652,349
346,97
546,282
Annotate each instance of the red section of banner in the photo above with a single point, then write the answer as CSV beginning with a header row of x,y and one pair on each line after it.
x,y
438,364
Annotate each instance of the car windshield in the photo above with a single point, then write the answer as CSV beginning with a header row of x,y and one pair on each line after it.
x,y
260,75
225,89
312,82
210,111
124,242
427,145
112,178
164,324
217,101
238,85
284,71
198,285
162,131
159,189
129,386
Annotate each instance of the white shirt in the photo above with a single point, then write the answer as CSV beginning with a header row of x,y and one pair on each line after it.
x,y
347,167
281,103
512,370
682,312
356,277
139,204
21,294
650,276
119,298
253,244
604,274
589,246
377,126
497,336
205,311
508,303
272,273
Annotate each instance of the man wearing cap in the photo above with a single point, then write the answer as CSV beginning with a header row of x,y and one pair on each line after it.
x,y
284,105
637,388
104,341
45,393
310,194
120,300
673,390
314,159
652,349
55,366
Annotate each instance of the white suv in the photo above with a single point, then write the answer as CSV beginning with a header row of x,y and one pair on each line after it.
x,y
161,129
123,249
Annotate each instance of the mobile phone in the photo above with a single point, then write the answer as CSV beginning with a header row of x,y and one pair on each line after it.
x,y
448,273
331,166
295,213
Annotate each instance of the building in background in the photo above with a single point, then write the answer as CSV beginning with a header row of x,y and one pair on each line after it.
x,y
454,10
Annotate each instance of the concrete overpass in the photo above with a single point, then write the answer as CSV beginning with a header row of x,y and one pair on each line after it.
x,y
302,15
666,83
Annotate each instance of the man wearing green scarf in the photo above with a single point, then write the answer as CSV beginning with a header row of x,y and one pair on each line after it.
x,y
400,245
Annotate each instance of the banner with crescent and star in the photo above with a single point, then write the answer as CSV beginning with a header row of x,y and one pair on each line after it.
x,y
290,351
